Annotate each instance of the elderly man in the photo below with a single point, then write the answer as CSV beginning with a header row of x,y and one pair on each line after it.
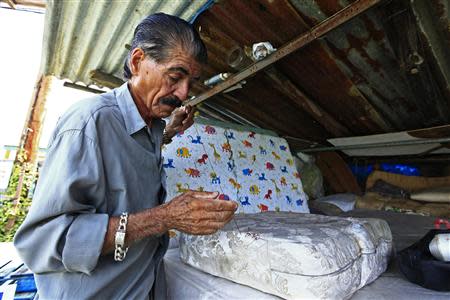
x,y
98,224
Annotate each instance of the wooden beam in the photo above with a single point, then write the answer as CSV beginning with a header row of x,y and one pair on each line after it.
x,y
288,88
342,16
103,79
10,3
336,173
35,3
35,119
31,134
82,88
379,145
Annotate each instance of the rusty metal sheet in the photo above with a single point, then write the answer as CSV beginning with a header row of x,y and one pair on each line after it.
x,y
303,69
353,73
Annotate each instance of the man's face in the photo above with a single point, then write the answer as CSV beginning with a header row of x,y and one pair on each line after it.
x,y
162,87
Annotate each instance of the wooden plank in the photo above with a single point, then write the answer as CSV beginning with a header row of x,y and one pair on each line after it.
x,y
288,88
337,174
11,3
103,79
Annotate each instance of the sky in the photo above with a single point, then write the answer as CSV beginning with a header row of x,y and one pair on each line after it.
x,y
20,55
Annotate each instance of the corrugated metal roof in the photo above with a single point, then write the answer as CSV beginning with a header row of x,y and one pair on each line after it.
x,y
82,36
385,70
380,72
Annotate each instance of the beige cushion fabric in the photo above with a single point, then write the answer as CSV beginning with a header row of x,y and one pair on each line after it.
x,y
441,195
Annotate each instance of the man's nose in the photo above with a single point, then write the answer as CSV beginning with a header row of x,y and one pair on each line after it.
x,y
182,90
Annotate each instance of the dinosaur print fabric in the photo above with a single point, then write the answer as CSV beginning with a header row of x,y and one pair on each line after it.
x,y
256,170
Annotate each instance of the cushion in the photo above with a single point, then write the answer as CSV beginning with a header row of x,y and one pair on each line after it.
x,y
294,255
249,165
421,267
439,194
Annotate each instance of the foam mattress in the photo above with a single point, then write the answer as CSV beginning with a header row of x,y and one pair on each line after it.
x,y
294,255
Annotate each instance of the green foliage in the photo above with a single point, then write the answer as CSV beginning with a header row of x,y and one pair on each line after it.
x,y
12,210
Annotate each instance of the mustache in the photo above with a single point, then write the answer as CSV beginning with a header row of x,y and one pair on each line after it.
x,y
171,100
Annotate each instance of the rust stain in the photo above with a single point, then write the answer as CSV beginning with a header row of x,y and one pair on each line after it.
x,y
441,12
312,70
357,78
376,34
329,7
261,97
430,133
359,45
30,140
309,20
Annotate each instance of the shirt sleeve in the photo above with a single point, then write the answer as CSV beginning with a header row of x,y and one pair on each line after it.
x,y
63,230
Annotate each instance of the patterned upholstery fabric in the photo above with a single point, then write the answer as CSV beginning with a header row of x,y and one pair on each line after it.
x,y
256,169
294,255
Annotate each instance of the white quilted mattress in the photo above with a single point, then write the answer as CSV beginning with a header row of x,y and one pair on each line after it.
x,y
294,255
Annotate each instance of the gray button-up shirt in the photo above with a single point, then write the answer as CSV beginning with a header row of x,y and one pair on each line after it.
x,y
102,160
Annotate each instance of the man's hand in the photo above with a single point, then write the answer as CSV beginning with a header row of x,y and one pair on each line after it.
x,y
191,212
181,119
198,212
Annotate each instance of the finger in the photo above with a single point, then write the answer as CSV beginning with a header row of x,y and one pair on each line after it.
x,y
228,205
212,216
188,122
191,111
202,195
219,205
178,115
181,112
188,108
195,193
229,218
189,119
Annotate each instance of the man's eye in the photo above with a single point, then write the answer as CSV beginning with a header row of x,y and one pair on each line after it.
x,y
174,79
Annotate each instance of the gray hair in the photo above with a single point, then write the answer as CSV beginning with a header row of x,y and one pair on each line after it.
x,y
159,34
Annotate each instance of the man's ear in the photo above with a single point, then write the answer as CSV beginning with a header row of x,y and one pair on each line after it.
x,y
137,55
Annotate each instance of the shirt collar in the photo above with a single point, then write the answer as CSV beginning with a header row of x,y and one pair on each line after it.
x,y
131,116
133,119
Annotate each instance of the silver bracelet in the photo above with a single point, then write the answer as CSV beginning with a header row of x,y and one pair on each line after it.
x,y
120,251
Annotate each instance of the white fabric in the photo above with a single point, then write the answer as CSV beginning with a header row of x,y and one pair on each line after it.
x,y
294,255
185,282
346,202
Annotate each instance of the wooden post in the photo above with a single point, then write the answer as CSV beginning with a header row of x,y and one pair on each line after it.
x,y
29,142
35,118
